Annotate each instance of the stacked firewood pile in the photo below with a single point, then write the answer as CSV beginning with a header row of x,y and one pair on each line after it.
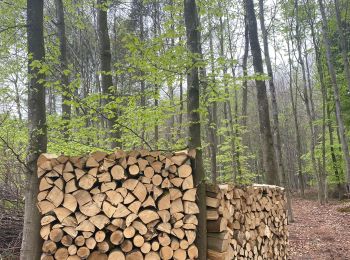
x,y
11,219
136,205
11,223
246,222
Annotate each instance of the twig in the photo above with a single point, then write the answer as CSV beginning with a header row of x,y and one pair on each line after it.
x,y
18,157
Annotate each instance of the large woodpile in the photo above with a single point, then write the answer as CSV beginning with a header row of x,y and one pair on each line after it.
x,y
136,205
246,222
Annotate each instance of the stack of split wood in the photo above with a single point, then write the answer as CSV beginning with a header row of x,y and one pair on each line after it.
x,y
136,205
246,222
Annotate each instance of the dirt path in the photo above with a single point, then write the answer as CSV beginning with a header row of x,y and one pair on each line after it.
x,y
319,232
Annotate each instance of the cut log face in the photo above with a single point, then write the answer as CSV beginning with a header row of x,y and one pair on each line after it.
x,y
140,192
148,216
70,202
100,221
184,171
116,254
90,209
124,205
118,173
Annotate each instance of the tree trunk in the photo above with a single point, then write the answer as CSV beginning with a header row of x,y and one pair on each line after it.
x,y
212,113
234,133
138,6
193,88
323,174
179,130
105,60
156,32
342,41
66,93
263,106
334,157
338,112
276,127
245,73
296,123
17,97
31,241
307,104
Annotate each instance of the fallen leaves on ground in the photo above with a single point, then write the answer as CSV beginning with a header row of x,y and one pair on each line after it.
x,y
319,232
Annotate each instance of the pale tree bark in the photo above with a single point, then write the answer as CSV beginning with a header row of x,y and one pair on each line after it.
x,y
136,22
193,91
270,166
321,166
16,85
295,117
274,106
156,32
307,103
138,5
245,136
245,72
342,42
212,112
66,93
180,119
106,72
31,241
171,122
17,97
336,94
236,162
323,174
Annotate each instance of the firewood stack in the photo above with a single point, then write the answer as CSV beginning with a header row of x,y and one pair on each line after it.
x,y
246,222
136,205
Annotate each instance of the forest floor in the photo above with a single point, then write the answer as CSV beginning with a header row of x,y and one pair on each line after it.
x,y
320,232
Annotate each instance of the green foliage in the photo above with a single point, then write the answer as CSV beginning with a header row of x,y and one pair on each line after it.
x,y
332,178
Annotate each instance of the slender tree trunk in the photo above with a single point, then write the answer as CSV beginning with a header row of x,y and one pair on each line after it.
x,y
245,136
31,241
270,165
171,122
234,133
296,123
17,92
179,130
334,157
323,174
143,105
276,127
17,98
245,73
139,6
212,113
156,86
338,112
106,76
156,126
307,104
193,90
321,169
342,41
66,93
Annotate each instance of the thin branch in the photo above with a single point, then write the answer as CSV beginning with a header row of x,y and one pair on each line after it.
x,y
17,155
12,27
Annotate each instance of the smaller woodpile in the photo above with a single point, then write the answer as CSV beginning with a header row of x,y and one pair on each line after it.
x,y
246,222
11,224
136,205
